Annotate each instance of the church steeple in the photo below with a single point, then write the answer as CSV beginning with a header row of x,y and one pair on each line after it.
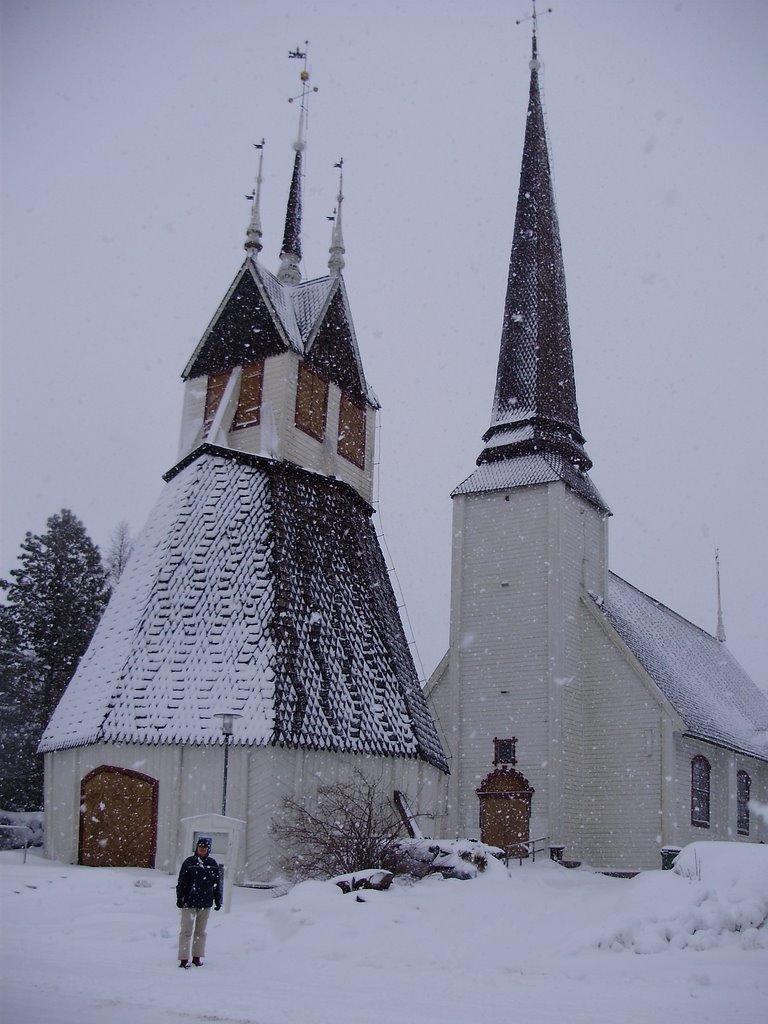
x,y
290,254
534,407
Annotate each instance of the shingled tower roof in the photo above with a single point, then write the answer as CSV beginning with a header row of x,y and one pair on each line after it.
x,y
535,417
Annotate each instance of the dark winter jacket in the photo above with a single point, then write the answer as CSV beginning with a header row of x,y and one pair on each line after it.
x,y
199,883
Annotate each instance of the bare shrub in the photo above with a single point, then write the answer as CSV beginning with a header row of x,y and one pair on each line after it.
x,y
351,826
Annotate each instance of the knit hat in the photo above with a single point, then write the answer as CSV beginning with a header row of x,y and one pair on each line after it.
x,y
203,841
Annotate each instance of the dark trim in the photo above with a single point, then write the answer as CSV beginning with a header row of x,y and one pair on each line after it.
x,y
699,759
267,465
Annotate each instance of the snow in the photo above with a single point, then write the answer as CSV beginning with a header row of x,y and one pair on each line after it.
x,y
538,943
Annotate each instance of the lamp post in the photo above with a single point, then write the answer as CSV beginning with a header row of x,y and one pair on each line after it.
x,y
227,725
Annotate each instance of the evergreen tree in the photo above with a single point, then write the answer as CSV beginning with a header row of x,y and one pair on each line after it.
x,y
54,602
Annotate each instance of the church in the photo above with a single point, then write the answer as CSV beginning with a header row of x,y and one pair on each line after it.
x,y
253,649
578,712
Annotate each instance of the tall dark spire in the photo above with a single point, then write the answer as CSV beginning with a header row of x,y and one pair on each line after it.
x,y
290,254
534,407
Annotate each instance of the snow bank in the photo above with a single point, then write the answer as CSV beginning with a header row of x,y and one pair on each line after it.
x,y
716,895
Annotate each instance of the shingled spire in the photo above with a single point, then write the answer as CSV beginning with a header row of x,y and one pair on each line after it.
x,y
534,407
290,255
337,250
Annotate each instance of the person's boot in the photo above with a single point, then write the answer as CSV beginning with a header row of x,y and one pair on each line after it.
x,y
197,961
184,964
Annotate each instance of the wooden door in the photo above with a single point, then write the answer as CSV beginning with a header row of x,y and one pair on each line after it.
x,y
505,811
118,819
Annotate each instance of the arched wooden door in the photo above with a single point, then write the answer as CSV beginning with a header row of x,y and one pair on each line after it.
x,y
118,819
505,811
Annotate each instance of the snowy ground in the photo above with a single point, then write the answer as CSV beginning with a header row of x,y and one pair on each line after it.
x,y
536,945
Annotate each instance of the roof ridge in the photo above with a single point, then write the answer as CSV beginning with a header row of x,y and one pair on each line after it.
x,y
665,607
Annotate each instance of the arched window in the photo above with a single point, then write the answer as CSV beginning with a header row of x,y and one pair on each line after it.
x,y
743,784
700,770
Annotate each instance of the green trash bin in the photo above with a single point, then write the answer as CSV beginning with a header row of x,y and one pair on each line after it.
x,y
668,856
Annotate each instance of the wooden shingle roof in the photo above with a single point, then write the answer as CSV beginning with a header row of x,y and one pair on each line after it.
x,y
260,588
695,672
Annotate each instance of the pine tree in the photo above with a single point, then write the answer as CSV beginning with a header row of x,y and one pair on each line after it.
x,y
54,602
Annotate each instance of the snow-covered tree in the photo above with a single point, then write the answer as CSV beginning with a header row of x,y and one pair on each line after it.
x,y
120,548
55,599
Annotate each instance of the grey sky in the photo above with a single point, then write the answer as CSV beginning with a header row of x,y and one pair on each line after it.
x,y
126,153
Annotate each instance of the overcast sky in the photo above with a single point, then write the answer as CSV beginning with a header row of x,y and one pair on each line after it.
x,y
127,131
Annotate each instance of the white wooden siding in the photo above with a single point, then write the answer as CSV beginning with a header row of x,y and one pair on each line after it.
x,y
619,819
520,559
190,782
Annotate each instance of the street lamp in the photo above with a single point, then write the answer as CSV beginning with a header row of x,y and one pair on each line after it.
x,y
227,725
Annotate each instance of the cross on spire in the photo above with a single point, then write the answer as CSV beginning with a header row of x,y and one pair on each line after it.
x,y
534,17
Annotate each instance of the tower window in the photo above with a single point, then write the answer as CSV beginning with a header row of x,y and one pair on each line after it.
x,y
216,384
311,402
743,786
700,771
504,751
248,413
351,443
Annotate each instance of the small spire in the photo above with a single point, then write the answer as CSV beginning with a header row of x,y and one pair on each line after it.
x,y
253,234
290,255
336,261
720,624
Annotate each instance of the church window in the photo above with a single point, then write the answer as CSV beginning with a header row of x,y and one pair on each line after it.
x,y
351,443
504,751
216,384
700,771
311,402
743,785
248,413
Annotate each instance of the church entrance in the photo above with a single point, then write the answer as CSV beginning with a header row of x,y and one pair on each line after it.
x,y
118,819
505,811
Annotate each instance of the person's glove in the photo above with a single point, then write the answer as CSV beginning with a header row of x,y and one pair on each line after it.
x,y
179,904
218,906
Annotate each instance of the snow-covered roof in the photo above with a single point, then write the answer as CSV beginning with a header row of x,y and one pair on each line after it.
x,y
259,588
696,673
526,470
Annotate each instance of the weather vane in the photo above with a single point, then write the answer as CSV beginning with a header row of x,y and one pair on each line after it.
x,y
299,54
533,16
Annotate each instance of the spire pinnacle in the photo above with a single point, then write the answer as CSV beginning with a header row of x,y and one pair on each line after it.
x,y
534,407
253,234
336,261
720,634
290,255
535,63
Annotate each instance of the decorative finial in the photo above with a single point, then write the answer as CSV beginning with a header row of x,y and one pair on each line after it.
x,y
535,63
720,624
298,54
336,261
253,234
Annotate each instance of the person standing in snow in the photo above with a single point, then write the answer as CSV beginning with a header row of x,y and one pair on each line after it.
x,y
197,890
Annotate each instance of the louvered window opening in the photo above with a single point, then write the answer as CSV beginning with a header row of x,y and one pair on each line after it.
x,y
216,384
311,402
700,773
743,786
248,413
351,440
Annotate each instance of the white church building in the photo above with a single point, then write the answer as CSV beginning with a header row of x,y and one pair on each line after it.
x,y
575,709
570,709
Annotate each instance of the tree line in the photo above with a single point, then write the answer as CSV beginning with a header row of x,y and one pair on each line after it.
x,y
52,604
